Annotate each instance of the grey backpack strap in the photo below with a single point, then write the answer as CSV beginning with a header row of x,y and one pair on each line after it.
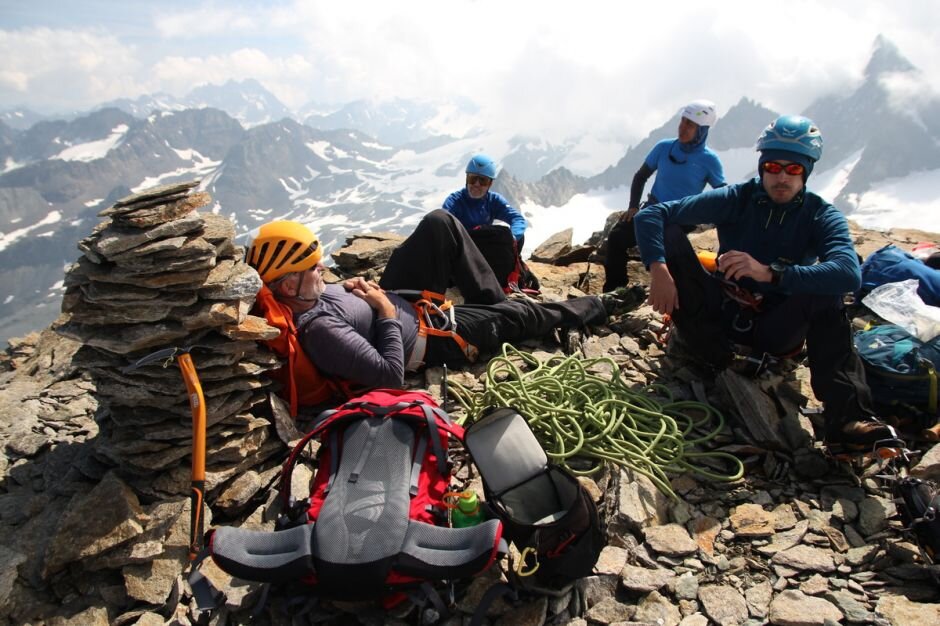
x,y
280,556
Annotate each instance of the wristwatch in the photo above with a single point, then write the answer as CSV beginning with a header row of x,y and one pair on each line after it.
x,y
776,272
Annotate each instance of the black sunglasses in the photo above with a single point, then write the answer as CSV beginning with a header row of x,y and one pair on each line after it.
x,y
474,179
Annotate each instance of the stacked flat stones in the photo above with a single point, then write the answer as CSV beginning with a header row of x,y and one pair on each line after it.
x,y
158,274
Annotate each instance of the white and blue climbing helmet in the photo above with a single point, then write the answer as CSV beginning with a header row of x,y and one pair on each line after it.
x,y
702,112
792,133
482,165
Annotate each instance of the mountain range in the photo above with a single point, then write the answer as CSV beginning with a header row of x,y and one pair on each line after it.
x,y
381,165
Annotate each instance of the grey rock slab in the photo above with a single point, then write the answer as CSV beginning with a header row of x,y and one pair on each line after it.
x,y
670,540
638,503
686,586
153,193
113,240
928,466
147,217
657,609
873,514
803,558
231,280
152,582
110,506
794,608
758,598
723,604
785,540
10,561
610,611
903,612
854,611
751,520
611,560
643,579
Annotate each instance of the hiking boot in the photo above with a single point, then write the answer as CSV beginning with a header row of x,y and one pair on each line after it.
x,y
860,434
623,299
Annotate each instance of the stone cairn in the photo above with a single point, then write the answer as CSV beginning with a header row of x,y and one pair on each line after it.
x,y
158,274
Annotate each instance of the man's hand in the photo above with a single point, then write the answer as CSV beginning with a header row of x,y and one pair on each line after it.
x,y
627,216
736,264
374,296
663,295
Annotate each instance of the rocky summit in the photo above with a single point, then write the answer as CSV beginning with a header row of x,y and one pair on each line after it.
x,y
96,438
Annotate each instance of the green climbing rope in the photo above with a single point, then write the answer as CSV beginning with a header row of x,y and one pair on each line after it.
x,y
575,412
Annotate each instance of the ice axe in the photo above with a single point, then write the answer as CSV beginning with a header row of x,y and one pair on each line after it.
x,y
198,406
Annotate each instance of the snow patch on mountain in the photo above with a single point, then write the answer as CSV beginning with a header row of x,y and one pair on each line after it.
x,y
585,213
8,238
201,166
908,202
93,150
829,183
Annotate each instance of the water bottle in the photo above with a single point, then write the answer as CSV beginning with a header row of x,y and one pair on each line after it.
x,y
467,512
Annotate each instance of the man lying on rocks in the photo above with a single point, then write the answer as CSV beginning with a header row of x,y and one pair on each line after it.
x,y
367,334
785,260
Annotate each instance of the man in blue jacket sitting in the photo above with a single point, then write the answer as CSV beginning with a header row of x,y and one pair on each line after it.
x,y
785,260
476,208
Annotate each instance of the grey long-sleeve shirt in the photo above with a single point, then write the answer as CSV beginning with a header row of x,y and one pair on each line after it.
x,y
343,337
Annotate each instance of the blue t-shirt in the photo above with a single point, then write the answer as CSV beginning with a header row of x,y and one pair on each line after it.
x,y
472,212
686,173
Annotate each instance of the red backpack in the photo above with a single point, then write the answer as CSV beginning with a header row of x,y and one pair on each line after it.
x,y
375,522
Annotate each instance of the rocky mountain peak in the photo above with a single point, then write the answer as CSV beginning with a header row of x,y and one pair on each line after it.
x,y
886,58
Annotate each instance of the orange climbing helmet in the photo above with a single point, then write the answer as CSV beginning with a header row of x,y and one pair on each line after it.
x,y
283,247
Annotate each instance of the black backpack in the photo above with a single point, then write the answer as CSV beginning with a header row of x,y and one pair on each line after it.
x,y
545,511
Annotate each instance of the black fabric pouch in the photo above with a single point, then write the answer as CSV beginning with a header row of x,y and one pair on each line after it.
x,y
546,512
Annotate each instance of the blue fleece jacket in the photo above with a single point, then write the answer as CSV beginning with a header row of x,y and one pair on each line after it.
x,y
806,230
472,213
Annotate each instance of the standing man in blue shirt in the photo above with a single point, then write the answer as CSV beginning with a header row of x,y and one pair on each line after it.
x,y
683,166
786,257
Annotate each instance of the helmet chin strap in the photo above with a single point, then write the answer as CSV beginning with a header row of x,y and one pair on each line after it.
x,y
296,295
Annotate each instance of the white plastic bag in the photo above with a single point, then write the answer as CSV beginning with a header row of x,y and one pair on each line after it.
x,y
899,304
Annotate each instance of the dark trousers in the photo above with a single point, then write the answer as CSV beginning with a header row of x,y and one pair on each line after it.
x,y
440,253
622,237
489,326
709,323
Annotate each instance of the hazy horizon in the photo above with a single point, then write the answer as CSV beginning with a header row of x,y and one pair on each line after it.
x,y
551,68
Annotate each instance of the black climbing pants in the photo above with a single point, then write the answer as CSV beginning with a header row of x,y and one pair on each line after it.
x,y
710,322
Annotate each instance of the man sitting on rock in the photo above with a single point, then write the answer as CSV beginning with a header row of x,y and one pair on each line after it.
x,y
785,260
368,335
476,207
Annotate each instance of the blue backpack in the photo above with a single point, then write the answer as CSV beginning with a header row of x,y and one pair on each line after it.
x,y
901,369
891,265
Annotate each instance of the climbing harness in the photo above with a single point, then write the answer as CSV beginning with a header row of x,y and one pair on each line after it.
x,y
575,412
436,318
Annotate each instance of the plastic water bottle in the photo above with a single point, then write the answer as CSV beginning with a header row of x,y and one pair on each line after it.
x,y
467,512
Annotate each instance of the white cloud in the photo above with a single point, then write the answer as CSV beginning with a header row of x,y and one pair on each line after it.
x,y
47,67
210,19
286,77
551,66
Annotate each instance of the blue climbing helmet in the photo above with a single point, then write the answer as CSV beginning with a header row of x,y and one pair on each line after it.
x,y
792,133
482,165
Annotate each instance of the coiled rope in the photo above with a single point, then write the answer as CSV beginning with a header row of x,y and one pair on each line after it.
x,y
576,413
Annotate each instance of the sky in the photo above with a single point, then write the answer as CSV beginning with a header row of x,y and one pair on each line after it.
x,y
561,68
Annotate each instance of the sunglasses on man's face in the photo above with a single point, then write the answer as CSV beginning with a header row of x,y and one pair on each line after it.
x,y
793,169
474,179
